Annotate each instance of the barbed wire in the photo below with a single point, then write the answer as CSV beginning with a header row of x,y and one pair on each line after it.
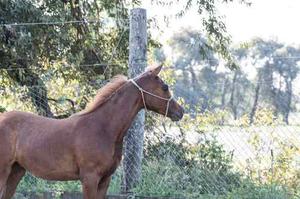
x,y
51,23
64,67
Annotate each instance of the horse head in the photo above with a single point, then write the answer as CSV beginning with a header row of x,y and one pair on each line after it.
x,y
156,95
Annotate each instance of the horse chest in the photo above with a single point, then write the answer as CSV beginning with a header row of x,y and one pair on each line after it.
x,y
116,158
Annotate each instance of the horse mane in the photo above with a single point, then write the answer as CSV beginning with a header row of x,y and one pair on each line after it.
x,y
104,93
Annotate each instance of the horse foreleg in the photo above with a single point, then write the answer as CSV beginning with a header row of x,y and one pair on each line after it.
x,y
89,185
102,187
13,180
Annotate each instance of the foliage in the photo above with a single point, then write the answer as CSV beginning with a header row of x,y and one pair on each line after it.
x,y
249,190
62,50
211,24
2,109
276,165
201,169
262,117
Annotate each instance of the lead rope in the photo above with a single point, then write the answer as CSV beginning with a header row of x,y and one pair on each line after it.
x,y
143,97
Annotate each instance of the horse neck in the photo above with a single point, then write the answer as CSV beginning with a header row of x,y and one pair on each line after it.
x,y
118,113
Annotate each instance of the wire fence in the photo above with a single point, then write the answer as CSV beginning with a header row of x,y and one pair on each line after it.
x,y
214,152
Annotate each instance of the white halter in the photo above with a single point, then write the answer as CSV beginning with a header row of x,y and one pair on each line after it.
x,y
147,92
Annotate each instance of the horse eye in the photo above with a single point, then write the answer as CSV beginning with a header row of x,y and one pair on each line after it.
x,y
156,77
165,87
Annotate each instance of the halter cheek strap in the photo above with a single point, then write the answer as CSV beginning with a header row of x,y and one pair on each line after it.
x,y
147,92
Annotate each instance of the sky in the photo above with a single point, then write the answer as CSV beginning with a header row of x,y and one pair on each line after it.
x,y
275,19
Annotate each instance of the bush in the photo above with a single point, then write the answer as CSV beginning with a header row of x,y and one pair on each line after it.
x,y
161,179
251,191
192,171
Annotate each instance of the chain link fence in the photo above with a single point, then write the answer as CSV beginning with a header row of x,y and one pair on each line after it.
x,y
216,151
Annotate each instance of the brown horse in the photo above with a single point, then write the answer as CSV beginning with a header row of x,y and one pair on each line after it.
x,y
86,146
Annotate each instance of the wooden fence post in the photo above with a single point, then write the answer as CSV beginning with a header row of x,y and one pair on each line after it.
x,y
133,145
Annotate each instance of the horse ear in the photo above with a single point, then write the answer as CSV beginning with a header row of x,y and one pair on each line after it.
x,y
157,69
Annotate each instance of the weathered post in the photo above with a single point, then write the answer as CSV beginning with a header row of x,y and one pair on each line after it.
x,y
133,145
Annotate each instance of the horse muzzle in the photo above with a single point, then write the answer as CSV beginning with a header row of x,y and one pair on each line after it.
x,y
176,116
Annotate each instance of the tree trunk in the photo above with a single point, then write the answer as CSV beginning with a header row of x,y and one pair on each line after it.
x,y
36,89
198,92
224,91
231,102
254,107
289,91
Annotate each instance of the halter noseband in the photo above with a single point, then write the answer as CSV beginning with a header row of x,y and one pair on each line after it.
x,y
147,92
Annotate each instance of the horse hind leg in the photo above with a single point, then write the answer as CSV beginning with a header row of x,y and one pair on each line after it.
x,y
13,180
102,187
4,173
